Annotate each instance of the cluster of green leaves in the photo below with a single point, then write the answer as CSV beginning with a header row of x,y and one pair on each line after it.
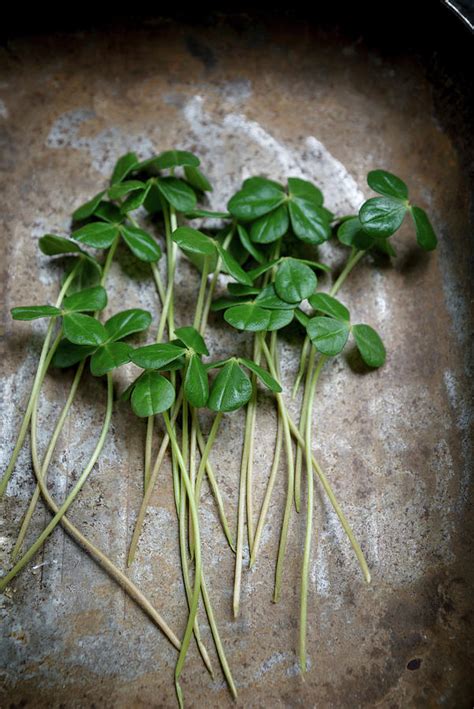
x,y
380,217
87,272
329,331
140,183
152,393
270,210
199,246
270,307
102,343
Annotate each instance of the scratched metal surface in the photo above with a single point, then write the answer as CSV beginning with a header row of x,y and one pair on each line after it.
x,y
395,443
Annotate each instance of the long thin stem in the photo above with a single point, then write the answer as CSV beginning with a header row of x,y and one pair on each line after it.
x,y
101,558
183,546
72,495
309,518
34,500
213,283
268,492
202,293
214,485
49,453
197,570
321,476
205,455
37,382
153,478
302,426
240,522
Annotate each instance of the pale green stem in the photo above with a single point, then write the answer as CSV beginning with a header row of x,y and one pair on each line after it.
x,y
268,492
183,547
72,495
241,522
34,500
217,640
197,551
302,366
153,478
302,427
205,595
202,293
322,478
309,518
205,455
49,452
214,487
148,452
103,560
37,382
213,283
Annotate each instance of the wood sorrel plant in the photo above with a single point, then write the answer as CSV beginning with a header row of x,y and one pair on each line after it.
x,y
272,285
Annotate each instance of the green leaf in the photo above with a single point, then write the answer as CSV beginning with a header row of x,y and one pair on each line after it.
x,y
260,270
156,356
425,234
327,335
83,329
192,339
248,245
124,165
382,216
198,213
177,193
248,316
33,312
87,210
253,183
141,244
262,374
294,281
240,289
302,318
232,267
193,241
109,212
256,198
86,300
52,245
176,158
110,356
152,201
329,305
308,221
88,274
196,178
120,189
385,247
304,190
271,226
231,389
97,234
369,344
196,385
152,394
135,200
315,264
267,298
224,303
351,233
387,184
68,354
127,323
279,319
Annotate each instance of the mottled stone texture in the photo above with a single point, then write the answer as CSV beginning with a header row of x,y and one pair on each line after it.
x,y
395,443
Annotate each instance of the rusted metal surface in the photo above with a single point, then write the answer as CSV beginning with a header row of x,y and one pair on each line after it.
x,y
395,443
